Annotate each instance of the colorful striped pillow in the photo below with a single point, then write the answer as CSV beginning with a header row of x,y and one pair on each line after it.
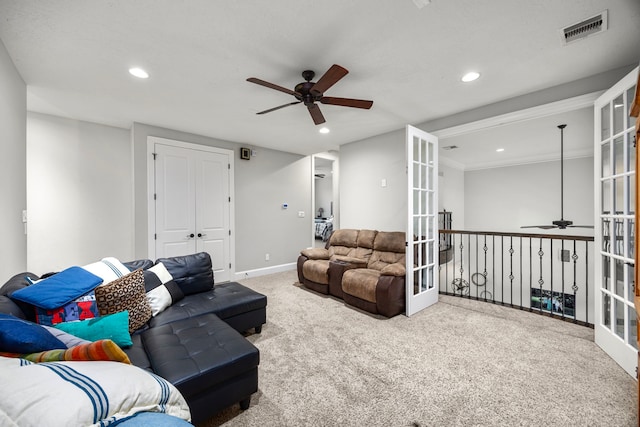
x,y
100,350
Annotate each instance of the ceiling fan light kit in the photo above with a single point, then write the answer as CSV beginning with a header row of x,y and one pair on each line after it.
x,y
561,223
308,93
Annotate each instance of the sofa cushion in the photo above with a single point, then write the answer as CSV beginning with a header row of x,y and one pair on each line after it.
x,y
390,241
366,238
139,263
361,283
344,237
224,300
197,353
17,282
316,270
125,294
8,306
193,273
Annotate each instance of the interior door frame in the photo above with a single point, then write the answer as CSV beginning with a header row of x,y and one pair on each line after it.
x,y
151,190
335,193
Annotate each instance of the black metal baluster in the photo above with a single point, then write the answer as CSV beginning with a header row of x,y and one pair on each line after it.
x,y
586,281
530,272
551,269
502,270
493,262
511,251
520,272
541,280
575,285
562,276
485,248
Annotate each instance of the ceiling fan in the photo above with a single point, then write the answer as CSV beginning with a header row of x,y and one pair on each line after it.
x,y
309,93
561,223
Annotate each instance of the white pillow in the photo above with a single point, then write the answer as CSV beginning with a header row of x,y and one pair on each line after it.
x,y
82,393
108,269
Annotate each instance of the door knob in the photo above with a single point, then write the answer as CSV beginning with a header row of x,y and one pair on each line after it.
x,y
190,236
201,235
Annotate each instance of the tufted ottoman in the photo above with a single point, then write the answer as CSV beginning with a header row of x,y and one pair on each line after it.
x,y
211,363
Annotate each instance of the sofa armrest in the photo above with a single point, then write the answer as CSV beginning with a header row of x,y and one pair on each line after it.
x,y
357,262
395,269
390,295
315,253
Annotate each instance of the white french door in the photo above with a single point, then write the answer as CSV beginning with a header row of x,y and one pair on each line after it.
x,y
191,195
615,185
422,224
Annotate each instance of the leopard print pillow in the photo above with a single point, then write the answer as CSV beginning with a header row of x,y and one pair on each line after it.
x,y
125,293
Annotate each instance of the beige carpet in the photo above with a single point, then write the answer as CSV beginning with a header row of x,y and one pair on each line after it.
x,y
457,363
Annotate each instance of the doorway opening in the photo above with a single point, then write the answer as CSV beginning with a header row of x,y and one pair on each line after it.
x,y
325,197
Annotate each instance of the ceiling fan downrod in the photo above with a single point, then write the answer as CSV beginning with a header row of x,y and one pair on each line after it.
x,y
562,223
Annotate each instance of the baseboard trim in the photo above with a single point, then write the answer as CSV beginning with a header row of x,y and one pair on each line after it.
x,y
239,275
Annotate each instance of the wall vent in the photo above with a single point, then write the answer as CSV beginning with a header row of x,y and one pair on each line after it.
x,y
588,27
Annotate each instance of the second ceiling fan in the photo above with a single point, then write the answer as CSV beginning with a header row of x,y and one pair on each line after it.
x,y
309,92
561,223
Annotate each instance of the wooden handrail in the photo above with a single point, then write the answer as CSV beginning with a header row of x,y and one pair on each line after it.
x,y
532,235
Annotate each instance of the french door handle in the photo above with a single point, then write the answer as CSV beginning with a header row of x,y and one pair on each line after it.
x,y
190,236
201,235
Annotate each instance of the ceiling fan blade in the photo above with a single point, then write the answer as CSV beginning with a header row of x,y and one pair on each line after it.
x,y
279,107
347,102
316,114
580,226
329,78
544,227
272,86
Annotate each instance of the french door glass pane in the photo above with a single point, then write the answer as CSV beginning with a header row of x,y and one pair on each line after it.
x,y
605,126
630,94
630,288
619,310
631,153
423,151
606,196
633,328
606,160
606,272
618,196
606,310
618,115
619,278
618,155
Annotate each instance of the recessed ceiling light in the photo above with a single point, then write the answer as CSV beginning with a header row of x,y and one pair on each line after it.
x,y
324,130
500,150
471,76
139,73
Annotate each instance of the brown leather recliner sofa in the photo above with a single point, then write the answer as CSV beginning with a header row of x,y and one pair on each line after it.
x,y
366,268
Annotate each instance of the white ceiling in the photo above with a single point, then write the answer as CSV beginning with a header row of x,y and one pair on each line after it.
x,y
74,56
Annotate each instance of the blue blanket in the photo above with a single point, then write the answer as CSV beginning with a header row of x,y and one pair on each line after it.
x,y
59,289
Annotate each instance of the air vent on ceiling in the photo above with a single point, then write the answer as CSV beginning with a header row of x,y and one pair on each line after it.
x,y
450,147
588,27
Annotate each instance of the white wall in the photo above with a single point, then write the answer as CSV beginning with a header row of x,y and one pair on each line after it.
x,y
451,194
262,185
13,176
504,199
364,203
79,189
